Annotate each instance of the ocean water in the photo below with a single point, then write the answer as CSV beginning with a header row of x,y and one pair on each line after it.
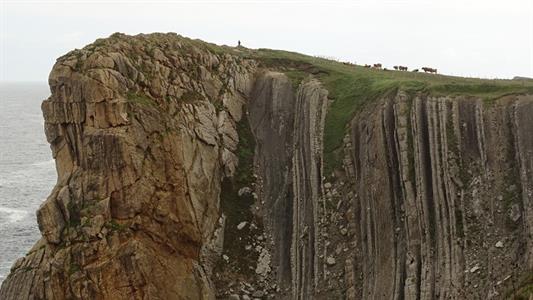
x,y
27,170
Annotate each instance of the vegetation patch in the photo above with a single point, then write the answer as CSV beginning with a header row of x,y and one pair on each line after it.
x,y
219,106
141,99
113,225
238,209
489,91
524,291
351,87
191,96
73,268
296,77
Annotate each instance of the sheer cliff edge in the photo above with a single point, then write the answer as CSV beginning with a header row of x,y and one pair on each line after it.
x,y
188,170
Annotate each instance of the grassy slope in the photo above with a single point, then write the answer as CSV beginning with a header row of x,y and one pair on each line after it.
x,y
351,86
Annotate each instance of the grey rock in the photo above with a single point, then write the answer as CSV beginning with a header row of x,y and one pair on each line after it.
x,y
241,225
475,268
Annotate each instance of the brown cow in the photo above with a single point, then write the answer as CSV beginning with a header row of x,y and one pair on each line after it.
x,y
368,66
396,67
377,66
402,68
429,70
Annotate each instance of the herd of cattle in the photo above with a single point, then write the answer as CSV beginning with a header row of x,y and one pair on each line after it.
x,y
401,68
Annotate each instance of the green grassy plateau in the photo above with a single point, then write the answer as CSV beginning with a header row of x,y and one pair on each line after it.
x,y
351,86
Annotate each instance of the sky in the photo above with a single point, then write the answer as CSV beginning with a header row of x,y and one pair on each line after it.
x,y
474,38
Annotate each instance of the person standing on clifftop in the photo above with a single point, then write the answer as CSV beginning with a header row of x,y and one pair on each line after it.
x,y
238,43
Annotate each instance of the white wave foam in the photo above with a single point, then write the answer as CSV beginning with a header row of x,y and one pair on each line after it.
x,y
14,215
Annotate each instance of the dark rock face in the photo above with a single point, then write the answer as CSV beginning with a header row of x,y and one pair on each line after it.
x,y
443,202
272,120
288,130
434,198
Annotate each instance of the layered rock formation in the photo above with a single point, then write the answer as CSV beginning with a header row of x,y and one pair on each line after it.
x,y
442,196
288,129
192,171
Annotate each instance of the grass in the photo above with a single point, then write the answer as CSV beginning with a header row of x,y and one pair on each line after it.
x,y
140,99
115,226
523,291
191,97
350,86
73,268
296,77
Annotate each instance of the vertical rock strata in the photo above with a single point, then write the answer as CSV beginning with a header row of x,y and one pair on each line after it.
x,y
434,199
311,104
272,121
443,196
288,127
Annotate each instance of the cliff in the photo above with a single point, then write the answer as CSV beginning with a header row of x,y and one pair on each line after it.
x,y
188,170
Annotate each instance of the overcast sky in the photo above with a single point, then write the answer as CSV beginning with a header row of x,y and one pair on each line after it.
x,y
480,38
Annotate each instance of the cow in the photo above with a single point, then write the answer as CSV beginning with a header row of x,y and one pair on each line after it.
x,y
377,66
368,66
402,68
396,67
415,70
429,70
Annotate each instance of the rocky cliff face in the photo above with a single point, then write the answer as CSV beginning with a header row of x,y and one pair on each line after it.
x,y
142,130
288,127
192,171
442,196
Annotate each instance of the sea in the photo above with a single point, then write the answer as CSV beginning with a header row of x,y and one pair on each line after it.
x,y
27,170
